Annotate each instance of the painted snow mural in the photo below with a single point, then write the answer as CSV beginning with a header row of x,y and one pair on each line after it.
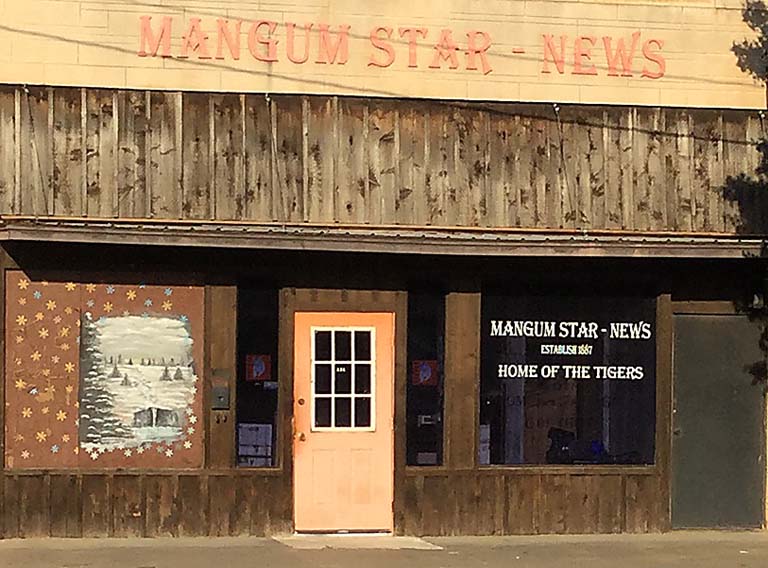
x,y
102,375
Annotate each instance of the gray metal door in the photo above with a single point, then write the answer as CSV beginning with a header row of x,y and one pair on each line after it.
x,y
718,466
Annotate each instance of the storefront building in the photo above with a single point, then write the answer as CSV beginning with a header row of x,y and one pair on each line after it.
x,y
453,268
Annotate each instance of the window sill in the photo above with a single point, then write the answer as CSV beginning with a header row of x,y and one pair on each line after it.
x,y
490,470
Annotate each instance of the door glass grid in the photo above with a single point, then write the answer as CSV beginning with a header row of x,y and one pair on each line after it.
x,y
343,378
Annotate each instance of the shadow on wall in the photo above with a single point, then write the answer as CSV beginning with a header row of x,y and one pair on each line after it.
x,y
750,191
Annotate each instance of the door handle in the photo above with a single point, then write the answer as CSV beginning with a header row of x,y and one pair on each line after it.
x,y
302,437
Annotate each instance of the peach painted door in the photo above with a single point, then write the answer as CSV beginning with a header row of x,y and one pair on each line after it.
x,y
343,428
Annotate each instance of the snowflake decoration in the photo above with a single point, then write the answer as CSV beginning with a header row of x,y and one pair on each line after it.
x,y
90,303
65,438
22,301
189,411
131,294
45,410
43,333
61,416
69,367
39,316
55,449
140,450
193,419
128,453
110,289
108,307
20,384
191,430
26,412
47,373
64,332
168,291
36,356
37,295
148,302
145,314
41,436
169,453
23,284
19,339
57,320
70,286
95,456
167,306
185,319
187,445
90,288
50,305
21,320
25,455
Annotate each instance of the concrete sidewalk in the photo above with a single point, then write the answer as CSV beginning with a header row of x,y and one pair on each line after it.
x,y
690,549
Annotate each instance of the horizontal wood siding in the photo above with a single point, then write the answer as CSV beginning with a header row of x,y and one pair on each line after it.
x,y
250,158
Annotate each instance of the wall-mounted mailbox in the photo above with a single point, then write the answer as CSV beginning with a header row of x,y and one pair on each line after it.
x,y
220,397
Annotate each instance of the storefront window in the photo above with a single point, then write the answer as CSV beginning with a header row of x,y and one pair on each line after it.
x,y
257,333
426,330
567,380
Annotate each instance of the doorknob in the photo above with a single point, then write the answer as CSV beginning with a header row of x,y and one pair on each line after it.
x,y
302,437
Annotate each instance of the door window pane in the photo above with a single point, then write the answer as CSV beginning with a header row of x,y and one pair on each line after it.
x,y
567,380
363,379
343,341
362,346
322,412
323,346
343,416
343,379
362,412
424,404
323,379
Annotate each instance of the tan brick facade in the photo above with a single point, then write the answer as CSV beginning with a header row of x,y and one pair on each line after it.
x,y
97,43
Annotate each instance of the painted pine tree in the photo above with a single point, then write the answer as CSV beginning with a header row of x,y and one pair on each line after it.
x,y
98,424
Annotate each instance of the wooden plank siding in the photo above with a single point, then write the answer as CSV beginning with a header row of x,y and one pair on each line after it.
x,y
88,153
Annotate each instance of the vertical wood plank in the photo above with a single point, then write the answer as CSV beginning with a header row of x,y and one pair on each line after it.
x,y
35,149
221,323
96,505
436,182
734,163
260,193
525,172
68,153
522,503
191,503
613,173
228,157
642,153
288,158
165,155
11,506
161,515
502,204
553,504
610,496
240,515
627,142
319,124
706,136
411,204
382,132
132,157
352,163
127,509
583,505
664,410
462,346
686,208
100,153
34,506
65,506
222,505
197,167
8,149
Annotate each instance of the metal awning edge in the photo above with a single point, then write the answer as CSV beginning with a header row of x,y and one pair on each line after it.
x,y
366,240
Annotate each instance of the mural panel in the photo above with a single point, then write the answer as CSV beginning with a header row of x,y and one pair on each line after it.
x,y
103,375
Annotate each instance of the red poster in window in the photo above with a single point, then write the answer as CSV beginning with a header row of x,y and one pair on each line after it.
x,y
424,373
258,368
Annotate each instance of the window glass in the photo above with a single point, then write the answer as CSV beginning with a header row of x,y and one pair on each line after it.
x,y
257,335
567,380
426,330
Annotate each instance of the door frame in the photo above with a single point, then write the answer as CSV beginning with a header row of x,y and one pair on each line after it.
x,y
294,300
714,308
